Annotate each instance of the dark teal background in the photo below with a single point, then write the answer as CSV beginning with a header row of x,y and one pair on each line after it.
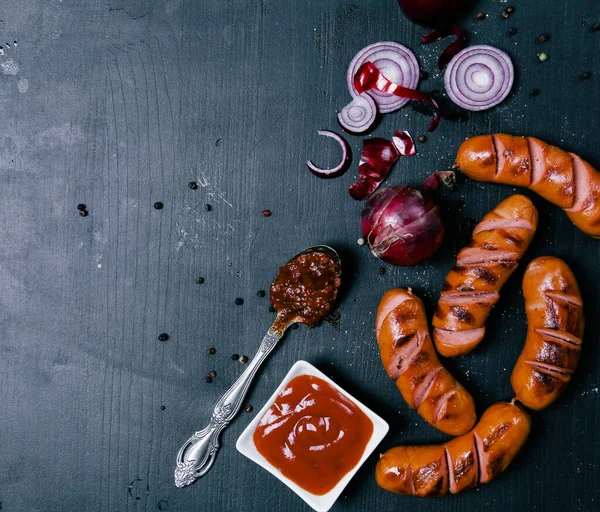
x,y
119,104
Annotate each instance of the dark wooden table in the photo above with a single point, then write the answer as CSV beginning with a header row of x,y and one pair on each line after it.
x,y
119,104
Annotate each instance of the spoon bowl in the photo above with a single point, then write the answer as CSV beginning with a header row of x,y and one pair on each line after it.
x,y
280,324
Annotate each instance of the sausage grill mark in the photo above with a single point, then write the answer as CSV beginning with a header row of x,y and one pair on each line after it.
x,y
475,457
463,315
512,239
559,353
410,359
562,178
485,275
496,434
472,286
403,340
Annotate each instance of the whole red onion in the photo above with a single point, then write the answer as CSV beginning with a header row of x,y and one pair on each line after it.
x,y
434,13
403,225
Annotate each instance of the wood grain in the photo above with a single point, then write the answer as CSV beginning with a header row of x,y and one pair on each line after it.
x,y
118,104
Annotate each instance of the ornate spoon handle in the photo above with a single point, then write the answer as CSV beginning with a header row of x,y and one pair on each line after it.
x,y
197,455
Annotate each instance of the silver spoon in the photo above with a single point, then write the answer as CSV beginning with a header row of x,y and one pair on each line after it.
x,y
198,454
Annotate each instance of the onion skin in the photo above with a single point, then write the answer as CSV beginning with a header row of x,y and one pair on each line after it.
x,y
434,13
377,158
448,54
402,225
368,77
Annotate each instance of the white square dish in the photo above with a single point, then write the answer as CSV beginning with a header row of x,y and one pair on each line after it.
x,y
245,443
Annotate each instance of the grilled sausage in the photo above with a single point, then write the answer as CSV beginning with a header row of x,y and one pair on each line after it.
x,y
560,177
555,328
463,462
472,287
409,358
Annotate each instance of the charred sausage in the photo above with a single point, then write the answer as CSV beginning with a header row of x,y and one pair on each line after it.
x,y
560,177
459,464
555,328
473,286
409,358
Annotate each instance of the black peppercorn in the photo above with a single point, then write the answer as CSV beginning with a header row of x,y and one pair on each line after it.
x,y
266,213
585,75
158,205
544,37
208,379
235,357
163,337
239,301
210,351
193,185
381,271
480,16
213,374
595,27
244,359
207,207
260,293
512,31
81,207
422,138
534,92
423,75
199,280
249,408
162,407
271,308
83,213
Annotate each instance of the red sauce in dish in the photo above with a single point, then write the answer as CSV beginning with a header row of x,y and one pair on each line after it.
x,y
313,434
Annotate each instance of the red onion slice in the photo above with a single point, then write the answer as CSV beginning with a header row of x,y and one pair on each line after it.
x,y
340,168
479,77
396,62
369,77
359,115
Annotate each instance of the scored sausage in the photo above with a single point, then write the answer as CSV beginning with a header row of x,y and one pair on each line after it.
x,y
459,464
409,358
555,327
473,286
560,177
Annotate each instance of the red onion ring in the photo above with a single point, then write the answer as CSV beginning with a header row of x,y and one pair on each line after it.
x,y
369,77
340,168
396,62
479,77
359,115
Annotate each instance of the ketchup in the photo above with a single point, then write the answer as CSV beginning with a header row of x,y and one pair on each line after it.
x,y
313,434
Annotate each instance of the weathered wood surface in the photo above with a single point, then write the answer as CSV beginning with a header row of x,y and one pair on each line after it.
x,y
119,104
